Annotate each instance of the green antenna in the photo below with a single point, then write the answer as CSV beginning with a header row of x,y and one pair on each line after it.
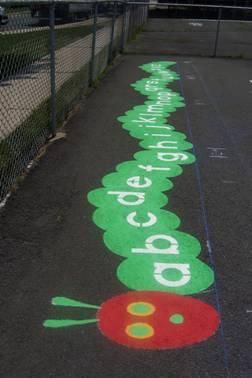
x,y
67,302
54,323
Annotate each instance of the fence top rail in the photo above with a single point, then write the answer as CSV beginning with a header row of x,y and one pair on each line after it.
x,y
38,2
143,2
189,5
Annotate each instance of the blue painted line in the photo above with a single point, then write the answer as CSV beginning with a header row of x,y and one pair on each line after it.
x,y
206,224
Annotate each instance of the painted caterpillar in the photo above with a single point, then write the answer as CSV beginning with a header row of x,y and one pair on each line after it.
x,y
161,262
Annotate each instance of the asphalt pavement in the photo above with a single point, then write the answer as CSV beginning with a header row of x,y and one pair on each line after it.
x,y
195,37
50,246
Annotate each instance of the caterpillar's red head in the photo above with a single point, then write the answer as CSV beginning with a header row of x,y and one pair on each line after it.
x,y
156,320
147,319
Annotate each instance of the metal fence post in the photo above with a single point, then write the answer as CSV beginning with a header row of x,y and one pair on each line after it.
x,y
139,16
52,69
91,77
123,27
135,20
127,24
142,15
217,32
146,13
112,33
129,21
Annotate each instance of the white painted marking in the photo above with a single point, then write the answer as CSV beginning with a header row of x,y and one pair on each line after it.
x,y
182,268
229,182
216,148
217,153
172,248
131,220
190,77
158,135
219,157
226,21
199,102
137,182
121,198
208,244
150,168
4,201
29,166
164,156
196,24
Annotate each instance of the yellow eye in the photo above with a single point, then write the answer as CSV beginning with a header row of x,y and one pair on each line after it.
x,y
139,331
141,309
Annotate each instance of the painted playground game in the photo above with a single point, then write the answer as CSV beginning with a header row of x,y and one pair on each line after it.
x,y
162,264
126,251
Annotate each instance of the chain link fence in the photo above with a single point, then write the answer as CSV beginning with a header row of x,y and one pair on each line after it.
x,y
50,53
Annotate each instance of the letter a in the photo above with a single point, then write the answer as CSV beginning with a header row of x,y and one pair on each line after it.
x,y
159,268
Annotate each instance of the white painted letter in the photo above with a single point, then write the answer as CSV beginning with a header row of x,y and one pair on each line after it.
x,y
151,221
122,195
172,249
135,182
164,156
150,168
164,144
159,268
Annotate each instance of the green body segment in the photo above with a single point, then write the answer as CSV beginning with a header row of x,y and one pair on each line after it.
x,y
126,180
155,240
130,205
130,220
181,275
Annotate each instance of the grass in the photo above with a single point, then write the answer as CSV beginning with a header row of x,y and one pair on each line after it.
x,y
22,145
71,92
17,9
100,62
20,50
